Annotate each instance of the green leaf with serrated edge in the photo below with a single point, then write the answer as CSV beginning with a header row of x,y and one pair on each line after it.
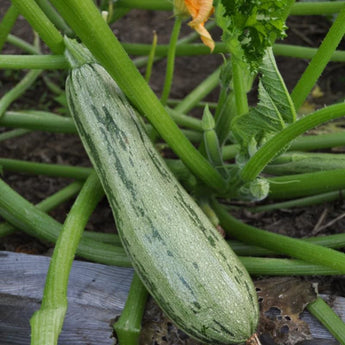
x,y
250,26
274,111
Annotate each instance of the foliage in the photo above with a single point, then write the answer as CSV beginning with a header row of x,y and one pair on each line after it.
x,y
249,27
274,111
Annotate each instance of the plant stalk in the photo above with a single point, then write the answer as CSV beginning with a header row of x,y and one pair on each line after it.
x,y
7,24
280,244
171,60
325,314
128,326
46,323
319,61
41,24
270,149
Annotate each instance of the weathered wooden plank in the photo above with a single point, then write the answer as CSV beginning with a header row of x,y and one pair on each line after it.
x,y
96,295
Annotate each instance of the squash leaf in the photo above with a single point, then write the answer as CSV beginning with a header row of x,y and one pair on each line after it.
x,y
274,111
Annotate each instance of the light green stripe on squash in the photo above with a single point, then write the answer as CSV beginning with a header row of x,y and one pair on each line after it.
x,y
182,260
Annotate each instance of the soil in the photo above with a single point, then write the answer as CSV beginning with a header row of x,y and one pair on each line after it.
x,y
189,72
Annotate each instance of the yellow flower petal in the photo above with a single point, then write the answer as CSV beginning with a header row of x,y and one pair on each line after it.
x,y
200,10
204,35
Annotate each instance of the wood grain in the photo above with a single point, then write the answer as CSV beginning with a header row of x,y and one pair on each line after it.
x,y
96,295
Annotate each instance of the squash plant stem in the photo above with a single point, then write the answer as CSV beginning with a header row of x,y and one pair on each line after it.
x,y
151,57
59,61
270,149
300,202
280,244
7,24
298,9
18,90
46,323
128,326
54,17
325,314
41,24
300,185
13,134
239,86
38,121
161,5
23,45
316,8
33,62
59,124
171,60
301,143
197,94
196,49
46,205
319,61
28,218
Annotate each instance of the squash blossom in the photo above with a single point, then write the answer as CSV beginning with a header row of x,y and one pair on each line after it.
x,y
200,11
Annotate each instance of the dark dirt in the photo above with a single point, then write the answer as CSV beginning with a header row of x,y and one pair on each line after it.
x,y
190,71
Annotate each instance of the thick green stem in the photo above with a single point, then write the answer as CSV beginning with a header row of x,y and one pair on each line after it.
x,y
270,149
54,17
240,86
33,62
304,162
59,62
41,24
284,267
304,52
46,323
325,314
185,120
84,18
280,244
298,9
128,326
197,49
38,121
59,124
7,23
300,185
319,61
316,8
319,141
160,5
57,170
26,217
171,60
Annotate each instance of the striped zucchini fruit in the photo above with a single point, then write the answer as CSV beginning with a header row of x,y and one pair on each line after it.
x,y
182,260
